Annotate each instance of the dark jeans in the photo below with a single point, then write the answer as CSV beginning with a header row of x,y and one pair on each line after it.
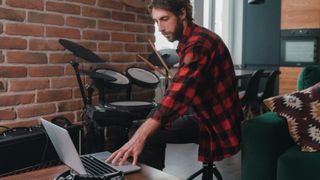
x,y
183,130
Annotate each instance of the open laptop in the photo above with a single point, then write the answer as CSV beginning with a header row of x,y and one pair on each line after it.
x,y
68,154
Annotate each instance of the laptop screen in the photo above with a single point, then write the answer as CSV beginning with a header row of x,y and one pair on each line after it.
x,y
64,146
68,154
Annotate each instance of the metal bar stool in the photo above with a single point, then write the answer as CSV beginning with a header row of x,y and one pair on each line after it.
x,y
207,170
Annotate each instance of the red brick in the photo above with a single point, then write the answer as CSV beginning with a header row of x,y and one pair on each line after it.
x,y
104,57
12,72
30,4
3,86
112,4
89,2
111,47
95,35
123,37
145,19
94,12
54,95
11,100
123,58
12,43
70,105
109,25
63,8
1,28
121,16
64,82
69,70
135,28
137,10
80,22
46,71
1,57
63,32
151,29
24,29
61,58
69,115
135,48
12,15
44,18
36,110
44,45
26,57
28,84
145,37
76,93
8,114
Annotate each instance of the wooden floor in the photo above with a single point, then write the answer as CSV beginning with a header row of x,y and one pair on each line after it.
x,y
181,161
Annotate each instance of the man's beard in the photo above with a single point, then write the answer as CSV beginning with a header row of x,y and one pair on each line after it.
x,y
177,32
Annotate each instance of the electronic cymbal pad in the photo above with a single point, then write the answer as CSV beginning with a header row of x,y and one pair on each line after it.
x,y
80,51
97,75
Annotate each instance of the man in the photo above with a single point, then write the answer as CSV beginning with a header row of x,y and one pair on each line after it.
x,y
205,82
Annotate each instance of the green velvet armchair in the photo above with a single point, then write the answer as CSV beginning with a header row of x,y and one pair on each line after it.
x,y
268,151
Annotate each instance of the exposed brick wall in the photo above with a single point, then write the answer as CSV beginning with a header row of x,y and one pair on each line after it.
x,y
36,78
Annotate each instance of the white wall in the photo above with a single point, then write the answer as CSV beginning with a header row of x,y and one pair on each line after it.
x,y
237,32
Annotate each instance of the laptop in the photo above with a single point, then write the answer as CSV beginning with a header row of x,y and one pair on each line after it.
x,y
89,164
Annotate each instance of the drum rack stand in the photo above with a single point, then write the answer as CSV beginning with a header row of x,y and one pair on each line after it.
x,y
90,125
86,100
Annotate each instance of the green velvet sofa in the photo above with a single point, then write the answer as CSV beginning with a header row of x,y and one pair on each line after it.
x,y
268,152
308,76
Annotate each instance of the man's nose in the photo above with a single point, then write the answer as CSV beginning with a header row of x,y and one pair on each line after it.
x,y
161,27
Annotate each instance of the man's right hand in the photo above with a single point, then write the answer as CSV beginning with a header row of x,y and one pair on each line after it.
x,y
135,145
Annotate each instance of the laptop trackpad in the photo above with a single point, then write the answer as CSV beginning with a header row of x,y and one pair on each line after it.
x,y
126,168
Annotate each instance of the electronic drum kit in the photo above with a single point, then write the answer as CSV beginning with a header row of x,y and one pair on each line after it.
x,y
121,112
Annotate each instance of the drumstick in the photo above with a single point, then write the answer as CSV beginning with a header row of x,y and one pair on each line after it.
x,y
153,66
159,56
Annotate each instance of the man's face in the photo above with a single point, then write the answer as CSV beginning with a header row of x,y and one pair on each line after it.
x,y
169,25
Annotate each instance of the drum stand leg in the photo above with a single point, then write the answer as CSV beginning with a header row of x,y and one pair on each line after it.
x,y
129,91
93,135
75,66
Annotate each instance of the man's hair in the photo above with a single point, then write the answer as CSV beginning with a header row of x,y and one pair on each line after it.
x,y
174,6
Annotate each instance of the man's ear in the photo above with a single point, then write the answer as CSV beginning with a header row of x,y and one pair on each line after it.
x,y
183,14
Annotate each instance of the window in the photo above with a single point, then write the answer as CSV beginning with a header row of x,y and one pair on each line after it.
x,y
224,17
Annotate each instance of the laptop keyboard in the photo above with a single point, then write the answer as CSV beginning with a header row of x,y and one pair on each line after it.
x,y
95,167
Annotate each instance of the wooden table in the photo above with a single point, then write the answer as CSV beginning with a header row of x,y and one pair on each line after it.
x,y
146,173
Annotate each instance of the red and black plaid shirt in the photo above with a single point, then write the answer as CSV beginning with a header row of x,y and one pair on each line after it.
x,y
206,82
